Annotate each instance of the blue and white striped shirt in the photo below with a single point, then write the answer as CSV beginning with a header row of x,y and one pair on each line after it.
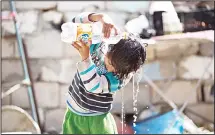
x,y
92,89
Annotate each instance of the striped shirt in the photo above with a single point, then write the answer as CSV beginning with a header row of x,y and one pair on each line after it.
x,y
92,89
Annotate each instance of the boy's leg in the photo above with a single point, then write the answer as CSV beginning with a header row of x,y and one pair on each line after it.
x,y
75,124
102,124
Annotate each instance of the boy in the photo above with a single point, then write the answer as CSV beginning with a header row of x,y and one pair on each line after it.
x,y
104,69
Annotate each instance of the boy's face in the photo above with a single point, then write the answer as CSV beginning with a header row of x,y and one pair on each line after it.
x,y
108,64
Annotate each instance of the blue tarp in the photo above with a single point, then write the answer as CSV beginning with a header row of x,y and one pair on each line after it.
x,y
168,123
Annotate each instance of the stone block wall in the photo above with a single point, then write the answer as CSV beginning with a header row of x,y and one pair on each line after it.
x,y
174,65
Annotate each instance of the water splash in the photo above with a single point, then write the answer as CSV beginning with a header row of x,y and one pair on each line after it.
x,y
134,105
122,111
135,117
135,94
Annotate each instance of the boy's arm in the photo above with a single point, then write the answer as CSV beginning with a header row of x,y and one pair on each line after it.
x,y
87,17
96,83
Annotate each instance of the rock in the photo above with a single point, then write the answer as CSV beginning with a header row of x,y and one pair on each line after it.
x,y
193,67
26,21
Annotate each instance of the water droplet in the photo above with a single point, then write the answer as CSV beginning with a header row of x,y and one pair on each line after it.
x,y
135,118
135,109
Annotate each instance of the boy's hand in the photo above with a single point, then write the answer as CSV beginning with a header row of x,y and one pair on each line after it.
x,y
82,48
108,26
106,21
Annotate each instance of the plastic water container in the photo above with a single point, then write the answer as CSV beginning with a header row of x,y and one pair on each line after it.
x,y
86,31
75,32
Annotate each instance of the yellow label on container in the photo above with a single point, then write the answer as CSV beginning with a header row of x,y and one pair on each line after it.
x,y
84,32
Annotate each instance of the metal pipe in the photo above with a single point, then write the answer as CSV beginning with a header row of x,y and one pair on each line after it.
x,y
25,66
172,104
180,111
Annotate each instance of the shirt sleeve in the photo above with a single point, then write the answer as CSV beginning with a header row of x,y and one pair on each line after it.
x,y
96,83
82,18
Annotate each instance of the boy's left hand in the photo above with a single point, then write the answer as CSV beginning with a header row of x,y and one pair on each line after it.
x,y
108,25
82,48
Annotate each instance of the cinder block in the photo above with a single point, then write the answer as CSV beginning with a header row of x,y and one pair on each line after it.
x,y
46,44
47,94
193,67
78,5
54,119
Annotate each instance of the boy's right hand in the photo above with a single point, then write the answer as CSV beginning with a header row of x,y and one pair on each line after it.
x,y
82,48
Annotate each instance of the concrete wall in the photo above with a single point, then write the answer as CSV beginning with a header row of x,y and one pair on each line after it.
x,y
53,63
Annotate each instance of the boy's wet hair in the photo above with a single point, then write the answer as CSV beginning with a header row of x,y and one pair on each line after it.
x,y
127,56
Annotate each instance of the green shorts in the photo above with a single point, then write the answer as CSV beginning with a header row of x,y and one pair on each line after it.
x,y
77,124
